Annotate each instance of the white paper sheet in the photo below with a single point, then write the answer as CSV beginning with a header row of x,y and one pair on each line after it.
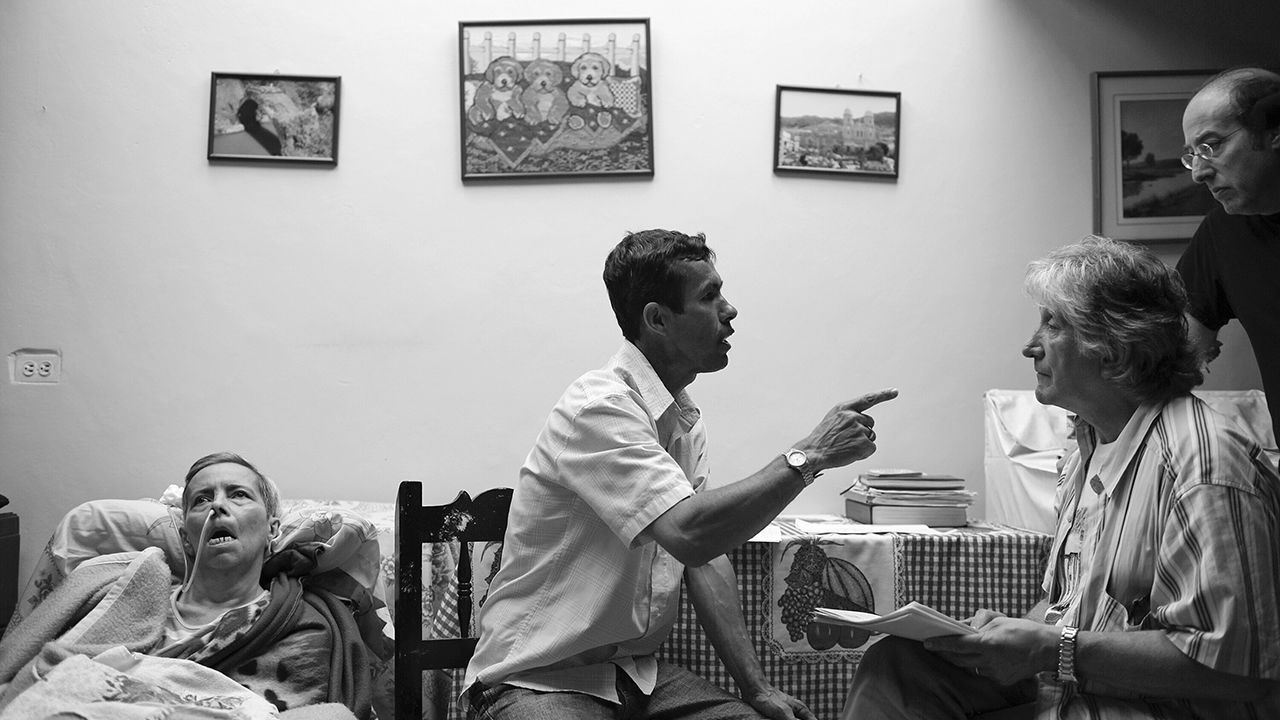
x,y
844,526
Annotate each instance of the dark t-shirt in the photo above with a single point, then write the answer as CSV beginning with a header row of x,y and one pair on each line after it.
x,y
1232,270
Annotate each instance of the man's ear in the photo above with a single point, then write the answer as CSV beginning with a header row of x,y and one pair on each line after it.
x,y
654,317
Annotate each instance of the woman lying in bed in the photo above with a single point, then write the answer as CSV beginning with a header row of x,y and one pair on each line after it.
x,y
290,645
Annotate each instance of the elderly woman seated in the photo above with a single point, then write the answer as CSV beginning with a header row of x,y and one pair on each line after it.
x,y
1161,586
117,632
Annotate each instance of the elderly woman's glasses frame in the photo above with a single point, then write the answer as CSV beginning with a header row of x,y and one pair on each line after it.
x,y
1141,190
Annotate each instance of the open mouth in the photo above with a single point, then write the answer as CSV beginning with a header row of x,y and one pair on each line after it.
x,y
221,536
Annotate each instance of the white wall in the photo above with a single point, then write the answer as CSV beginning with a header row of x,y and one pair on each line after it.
x,y
346,328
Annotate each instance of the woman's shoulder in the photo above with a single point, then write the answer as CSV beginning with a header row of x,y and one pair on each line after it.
x,y
1203,446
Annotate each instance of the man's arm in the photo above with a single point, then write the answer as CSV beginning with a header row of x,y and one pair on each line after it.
x,y
710,524
1204,340
1109,663
713,589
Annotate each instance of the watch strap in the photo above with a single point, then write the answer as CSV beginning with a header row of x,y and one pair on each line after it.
x,y
803,467
1067,655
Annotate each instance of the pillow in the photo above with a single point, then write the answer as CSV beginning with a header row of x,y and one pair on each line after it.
x,y
100,527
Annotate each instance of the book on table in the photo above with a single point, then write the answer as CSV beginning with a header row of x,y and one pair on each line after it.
x,y
931,515
913,621
899,479
910,497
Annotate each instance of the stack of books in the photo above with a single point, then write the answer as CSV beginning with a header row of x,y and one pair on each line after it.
x,y
907,497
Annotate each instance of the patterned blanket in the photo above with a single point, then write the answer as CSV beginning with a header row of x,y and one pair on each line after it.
x,y
299,648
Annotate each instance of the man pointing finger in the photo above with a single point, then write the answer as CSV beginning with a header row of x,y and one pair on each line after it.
x,y
613,510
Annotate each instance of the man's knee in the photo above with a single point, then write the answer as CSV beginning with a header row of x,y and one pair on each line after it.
x,y
891,653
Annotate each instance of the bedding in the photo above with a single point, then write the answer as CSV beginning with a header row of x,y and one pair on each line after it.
x,y
342,548
348,546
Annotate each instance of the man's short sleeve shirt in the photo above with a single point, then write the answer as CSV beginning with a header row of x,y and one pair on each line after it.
x,y
582,592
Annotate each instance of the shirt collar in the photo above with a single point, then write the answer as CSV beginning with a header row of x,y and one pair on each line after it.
x,y
1126,444
641,376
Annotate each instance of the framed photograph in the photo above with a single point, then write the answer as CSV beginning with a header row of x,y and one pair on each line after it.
x,y
837,132
274,118
555,99
1141,192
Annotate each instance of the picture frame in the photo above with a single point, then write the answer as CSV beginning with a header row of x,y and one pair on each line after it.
x,y
269,117
835,132
555,99
1141,191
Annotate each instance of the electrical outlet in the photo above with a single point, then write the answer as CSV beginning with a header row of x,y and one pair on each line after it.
x,y
35,366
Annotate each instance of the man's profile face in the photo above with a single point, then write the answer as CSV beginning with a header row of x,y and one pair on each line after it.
x,y
1244,178
699,335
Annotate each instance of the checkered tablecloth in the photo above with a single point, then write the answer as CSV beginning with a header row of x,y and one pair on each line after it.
x,y
956,571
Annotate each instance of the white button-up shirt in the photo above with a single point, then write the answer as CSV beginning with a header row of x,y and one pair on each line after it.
x,y
582,591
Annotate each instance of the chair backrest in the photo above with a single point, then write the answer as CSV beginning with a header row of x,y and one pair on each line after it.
x,y
465,520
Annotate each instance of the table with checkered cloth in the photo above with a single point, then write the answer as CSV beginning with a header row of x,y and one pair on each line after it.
x,y
955,571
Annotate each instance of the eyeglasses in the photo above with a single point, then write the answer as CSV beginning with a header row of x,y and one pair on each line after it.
x,y
1206,150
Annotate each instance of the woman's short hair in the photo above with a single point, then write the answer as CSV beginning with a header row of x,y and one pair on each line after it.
x,y
647,266
270,493
1127,309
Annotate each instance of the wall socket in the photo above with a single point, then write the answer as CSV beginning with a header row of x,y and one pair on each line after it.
x,y
35,366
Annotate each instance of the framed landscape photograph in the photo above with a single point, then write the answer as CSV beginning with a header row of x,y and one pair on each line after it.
x,y
830,131
555,99
274,118
1141,191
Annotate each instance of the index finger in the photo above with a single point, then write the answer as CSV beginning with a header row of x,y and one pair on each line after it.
x,y
872,399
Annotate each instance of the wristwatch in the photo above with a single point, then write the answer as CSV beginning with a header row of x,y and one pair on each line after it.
x,y
1067,655
798,461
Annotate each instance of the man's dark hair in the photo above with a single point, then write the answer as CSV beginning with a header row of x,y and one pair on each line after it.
x,y
1254,97
647,266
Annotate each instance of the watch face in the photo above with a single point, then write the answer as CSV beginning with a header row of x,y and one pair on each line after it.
x,y
796,458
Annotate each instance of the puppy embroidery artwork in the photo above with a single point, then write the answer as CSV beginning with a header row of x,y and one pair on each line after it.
x,y
590,89
544,99
554,100
498,97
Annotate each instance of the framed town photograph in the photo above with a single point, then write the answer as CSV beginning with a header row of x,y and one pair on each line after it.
x,y
274,118
830,131
555,99
1141,191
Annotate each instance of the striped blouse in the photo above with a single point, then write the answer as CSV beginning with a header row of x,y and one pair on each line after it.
x,y
1188,542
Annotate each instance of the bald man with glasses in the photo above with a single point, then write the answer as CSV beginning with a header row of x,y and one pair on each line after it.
x,y
1232,266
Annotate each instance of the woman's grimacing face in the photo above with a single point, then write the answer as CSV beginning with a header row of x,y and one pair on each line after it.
x,y
229,495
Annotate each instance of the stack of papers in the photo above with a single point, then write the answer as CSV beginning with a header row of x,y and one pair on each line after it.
x,y
908,496
913,621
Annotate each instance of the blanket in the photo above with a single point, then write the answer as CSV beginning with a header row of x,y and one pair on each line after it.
x,y
299,648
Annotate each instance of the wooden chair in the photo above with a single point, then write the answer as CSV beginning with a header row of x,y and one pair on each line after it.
x,y
483,519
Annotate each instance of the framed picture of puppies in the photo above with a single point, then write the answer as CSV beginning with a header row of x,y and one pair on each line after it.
x,y
555,99
274,118
829,131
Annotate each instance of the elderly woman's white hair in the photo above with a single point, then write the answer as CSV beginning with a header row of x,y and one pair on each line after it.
x,y
1127,309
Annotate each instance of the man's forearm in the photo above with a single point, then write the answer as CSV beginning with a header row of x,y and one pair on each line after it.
x,y
713,590
710,524
1146,663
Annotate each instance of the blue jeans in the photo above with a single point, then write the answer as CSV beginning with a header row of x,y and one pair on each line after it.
x,y
898,679
678,695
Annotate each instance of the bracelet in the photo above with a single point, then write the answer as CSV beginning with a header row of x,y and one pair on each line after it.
x,y
1067,655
